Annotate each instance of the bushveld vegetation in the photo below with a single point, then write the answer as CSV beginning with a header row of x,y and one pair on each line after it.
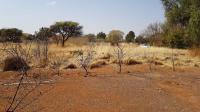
x,y
63,46
172,34
181,28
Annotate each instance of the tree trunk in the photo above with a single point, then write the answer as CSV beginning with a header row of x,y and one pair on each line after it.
x,y
173,63
57,42
86,71
120,68
63,42
46,52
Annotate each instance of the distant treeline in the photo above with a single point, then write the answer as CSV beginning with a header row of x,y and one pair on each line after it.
x,y
180,30
60,32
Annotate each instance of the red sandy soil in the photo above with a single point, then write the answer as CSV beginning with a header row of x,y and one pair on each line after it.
x,y
137,89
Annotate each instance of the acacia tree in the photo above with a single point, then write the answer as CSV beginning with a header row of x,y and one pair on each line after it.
x,y
101,35
12,35
66,29
130,37
42,40
115,36
44,34
91,37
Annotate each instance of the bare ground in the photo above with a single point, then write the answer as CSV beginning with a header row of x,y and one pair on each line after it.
x,y
137,89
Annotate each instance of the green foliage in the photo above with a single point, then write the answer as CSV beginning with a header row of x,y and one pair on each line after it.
x,y
115,36
101,35
141,40
44,34
10,35
176,38
66,30
177,11
130,37
194,27
183,23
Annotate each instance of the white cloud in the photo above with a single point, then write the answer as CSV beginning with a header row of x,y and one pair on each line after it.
x,y
52,3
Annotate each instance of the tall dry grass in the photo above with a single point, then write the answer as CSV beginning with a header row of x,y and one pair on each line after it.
x,y
195,52
104,51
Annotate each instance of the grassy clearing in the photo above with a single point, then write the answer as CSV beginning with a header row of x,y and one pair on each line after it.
x,y
104,52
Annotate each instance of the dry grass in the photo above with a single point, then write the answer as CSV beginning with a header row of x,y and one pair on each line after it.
x,y
98,64
195,52
133,77
104,51
131,61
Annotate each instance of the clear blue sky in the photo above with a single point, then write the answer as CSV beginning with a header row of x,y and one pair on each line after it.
x,y
93,15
